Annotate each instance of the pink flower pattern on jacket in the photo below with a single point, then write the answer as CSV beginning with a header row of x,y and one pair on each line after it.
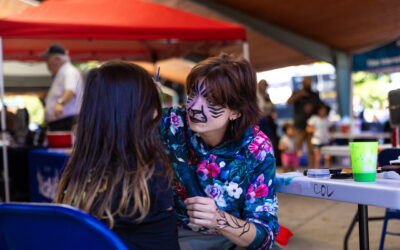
x,y
261,145
211,169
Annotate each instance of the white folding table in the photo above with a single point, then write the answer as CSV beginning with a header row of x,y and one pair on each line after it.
x,y
382,193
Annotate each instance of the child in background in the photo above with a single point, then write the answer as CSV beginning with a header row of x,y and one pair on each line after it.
x,y
287,144
319,126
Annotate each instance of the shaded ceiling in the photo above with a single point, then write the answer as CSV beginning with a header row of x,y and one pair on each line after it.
x,y
348,25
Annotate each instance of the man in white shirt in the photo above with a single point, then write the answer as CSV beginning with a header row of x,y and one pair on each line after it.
x,y
63,100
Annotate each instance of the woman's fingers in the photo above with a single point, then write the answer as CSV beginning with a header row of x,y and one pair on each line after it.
x,y
199,200
201,222
196,206
158,85
200,207
200,215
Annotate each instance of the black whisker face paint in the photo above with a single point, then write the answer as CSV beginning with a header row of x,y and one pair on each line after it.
x,y
216,111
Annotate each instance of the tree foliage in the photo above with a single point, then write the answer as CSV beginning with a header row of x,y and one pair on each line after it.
x,y
368,87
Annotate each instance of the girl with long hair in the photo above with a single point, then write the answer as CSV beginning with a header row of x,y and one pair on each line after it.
x,y
118,170
224,165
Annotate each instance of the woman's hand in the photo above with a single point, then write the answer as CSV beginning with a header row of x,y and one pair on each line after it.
x,y
158,85
203,211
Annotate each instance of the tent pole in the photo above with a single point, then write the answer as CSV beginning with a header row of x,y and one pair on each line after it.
x,y
3,126
246,51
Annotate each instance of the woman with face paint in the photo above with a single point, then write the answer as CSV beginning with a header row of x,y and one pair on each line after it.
x,y
224,165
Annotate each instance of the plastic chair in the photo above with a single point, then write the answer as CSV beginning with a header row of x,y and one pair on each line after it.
x,y
390,214
51,226
384,158
388,154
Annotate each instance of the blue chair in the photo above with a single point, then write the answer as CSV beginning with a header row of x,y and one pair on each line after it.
x,y
50,226
390,214
384,158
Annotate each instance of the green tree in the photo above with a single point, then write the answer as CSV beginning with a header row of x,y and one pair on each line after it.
x,y
366,86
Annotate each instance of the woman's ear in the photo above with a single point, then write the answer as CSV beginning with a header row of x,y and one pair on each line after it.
x,y
234,115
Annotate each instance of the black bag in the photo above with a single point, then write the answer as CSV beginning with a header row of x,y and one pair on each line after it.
x,y
394,107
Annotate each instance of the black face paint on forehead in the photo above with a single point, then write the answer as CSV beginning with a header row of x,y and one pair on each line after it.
x,y
199,89
202,89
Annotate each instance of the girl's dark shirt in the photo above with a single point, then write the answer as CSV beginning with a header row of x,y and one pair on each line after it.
x,y
158,230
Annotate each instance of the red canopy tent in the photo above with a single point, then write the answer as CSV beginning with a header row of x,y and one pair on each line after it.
x,y
109,29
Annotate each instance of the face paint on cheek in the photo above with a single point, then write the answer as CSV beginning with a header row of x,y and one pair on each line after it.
x,y
216,112
189,102
194,94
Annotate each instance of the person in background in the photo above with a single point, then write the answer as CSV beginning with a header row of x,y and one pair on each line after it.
x,y
224,166
62,102
267,122
118,170
287,144
320,128
305,102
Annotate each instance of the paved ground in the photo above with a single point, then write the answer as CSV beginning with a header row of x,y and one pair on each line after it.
x,y
322,224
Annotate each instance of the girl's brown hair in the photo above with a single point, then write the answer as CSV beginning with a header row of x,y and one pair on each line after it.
x,y
230,82
117,144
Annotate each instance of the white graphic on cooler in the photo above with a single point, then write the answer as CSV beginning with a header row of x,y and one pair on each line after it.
x,y
48,184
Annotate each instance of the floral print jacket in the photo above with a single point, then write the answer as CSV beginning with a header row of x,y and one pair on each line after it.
x,y
238,175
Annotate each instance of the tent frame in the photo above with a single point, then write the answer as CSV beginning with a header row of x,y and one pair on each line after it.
x,y
3,126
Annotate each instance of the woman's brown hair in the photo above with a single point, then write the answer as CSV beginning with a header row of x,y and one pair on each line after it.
x,y
230,82
117,144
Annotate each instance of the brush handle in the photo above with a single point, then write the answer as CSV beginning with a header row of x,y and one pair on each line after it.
x,y
158,74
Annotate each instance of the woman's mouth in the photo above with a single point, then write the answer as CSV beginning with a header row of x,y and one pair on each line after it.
x,y
196,120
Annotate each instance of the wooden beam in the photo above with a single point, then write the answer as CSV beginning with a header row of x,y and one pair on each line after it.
x,y
303,44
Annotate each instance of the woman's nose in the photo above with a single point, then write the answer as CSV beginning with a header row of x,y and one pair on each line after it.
x,y
195,104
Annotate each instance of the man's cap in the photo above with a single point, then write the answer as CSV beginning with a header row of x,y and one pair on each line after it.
x,y
54,49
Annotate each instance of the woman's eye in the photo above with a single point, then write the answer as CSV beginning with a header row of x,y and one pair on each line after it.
x,y
211,103
192,94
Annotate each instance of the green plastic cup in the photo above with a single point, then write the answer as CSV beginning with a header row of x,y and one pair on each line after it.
x,y
363,160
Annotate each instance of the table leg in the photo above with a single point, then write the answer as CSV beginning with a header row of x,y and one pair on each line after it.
x,y
363,226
